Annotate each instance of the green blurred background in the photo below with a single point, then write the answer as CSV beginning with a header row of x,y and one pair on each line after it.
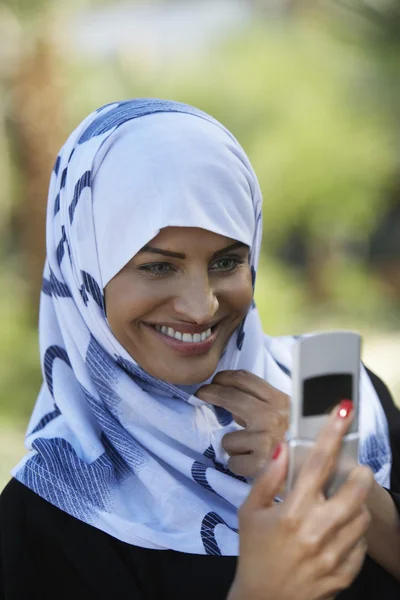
x,y
311,90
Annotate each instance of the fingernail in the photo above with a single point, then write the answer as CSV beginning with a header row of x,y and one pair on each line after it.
x,y
344,409
277,452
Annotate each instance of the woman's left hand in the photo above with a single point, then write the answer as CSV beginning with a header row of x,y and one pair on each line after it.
x,y
260,408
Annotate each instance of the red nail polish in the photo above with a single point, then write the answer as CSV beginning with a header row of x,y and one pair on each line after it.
x,y
344,409
277,452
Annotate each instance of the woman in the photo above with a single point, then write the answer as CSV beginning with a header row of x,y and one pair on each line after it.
x,y
155,413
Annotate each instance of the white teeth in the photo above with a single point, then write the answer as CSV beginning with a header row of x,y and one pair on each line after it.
x,y
184,337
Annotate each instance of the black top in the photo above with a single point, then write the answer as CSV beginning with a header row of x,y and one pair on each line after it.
x,y
47,554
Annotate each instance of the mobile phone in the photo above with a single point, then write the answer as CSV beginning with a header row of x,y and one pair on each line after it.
x,y
326,370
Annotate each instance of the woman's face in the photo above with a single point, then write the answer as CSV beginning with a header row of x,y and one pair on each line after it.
x,y
175,305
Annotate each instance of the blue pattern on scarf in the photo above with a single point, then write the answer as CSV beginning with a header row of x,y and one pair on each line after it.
x,y
58,288
57,165
125,111
91,286
81,184
60,248
50,356
199,470
79,488
208,525
375,452
46,419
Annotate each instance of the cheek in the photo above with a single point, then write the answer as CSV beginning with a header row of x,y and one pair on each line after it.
x,y
239,292
126,302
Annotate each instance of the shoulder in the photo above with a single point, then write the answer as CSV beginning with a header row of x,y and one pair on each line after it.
x,y
15,541
21,513
17,500
14,492
30,519
12,500
21,508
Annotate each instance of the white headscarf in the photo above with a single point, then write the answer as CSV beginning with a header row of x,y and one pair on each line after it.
x,y
136,457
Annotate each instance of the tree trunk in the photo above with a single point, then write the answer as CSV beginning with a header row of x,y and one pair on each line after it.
x,y
37,121
317,263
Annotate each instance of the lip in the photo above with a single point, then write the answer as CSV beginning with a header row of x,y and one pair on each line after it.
x,y
187,348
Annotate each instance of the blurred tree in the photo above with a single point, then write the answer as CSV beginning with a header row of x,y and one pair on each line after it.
x,y
322,157
380,35
36,115
36,125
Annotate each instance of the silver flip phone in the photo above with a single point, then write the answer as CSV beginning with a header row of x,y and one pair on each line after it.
x,y
326,370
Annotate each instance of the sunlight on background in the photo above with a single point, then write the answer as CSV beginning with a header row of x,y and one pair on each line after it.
x,y
311,90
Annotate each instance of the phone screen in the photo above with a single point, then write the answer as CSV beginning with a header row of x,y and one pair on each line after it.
x,y
321,394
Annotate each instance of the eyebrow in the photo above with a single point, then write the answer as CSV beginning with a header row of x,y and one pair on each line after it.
x,y
183,256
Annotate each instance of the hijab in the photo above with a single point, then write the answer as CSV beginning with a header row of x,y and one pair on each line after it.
x,y
131,455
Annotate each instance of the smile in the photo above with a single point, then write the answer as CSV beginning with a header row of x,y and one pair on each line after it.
x,y
187,338
187,343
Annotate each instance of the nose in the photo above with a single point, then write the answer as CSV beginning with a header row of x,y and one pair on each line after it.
x,y
196,301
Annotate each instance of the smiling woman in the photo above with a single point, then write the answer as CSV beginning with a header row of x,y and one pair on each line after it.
x,y
161,421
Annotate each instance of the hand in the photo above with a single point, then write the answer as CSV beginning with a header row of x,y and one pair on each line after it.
x,y
309,547
256,405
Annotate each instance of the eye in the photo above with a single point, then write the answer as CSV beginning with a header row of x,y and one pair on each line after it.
x,y
157,269
227,264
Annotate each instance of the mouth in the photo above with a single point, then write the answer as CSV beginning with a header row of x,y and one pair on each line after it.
x,y
190,340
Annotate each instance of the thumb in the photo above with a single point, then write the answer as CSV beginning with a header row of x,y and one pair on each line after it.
x,y
269,482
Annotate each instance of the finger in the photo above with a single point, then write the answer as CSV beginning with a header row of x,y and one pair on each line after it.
x,y
345,574
330,550
321,460
253,385
235,401
244,442
350,535
346,503
341,510
352,561
239,421
247,465
268,482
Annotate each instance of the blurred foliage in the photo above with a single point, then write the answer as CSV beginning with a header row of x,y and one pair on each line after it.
x,y
20,376
301,95
287,96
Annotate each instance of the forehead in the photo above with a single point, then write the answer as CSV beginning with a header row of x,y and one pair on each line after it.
x,y
189,237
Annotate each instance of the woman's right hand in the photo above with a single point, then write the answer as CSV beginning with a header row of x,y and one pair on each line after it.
x,y
308,547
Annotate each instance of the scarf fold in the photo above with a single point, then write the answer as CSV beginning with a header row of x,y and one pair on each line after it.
x,y
138,458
